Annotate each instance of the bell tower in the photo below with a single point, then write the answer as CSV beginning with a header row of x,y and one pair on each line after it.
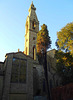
x,y
31,30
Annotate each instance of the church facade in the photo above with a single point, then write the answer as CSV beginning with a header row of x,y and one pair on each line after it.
x,y
21,75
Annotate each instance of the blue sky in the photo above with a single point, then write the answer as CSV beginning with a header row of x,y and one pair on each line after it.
x,y
54,13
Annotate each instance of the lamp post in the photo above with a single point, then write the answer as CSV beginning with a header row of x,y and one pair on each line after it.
x,y
44,57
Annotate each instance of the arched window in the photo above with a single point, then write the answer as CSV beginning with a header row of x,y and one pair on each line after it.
x,y
33,24
34,53
26,50
27,27
18,73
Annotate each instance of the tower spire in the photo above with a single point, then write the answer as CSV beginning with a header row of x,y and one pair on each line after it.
x,y
32,2
32,28
32,7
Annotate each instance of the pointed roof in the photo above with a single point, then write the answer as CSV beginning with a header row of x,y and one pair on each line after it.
x,y
32,6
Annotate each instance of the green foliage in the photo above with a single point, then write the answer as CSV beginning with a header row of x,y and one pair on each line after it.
x,y
64,66
43,40
65,38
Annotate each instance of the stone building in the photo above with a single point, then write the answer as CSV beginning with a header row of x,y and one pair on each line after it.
x,y
32,28
21,75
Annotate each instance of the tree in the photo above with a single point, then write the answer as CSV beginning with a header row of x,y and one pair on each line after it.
x,y
43,40
43,43
65,38
64,66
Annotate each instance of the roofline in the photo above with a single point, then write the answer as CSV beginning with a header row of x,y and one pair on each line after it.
x,y
1,62
17,53
51,50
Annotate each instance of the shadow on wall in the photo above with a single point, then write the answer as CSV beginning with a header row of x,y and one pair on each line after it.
x,y
40,98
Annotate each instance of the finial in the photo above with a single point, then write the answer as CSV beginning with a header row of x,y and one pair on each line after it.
x,y
18,49
32,5
32,2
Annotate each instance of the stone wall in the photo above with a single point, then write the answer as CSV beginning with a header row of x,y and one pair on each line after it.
x,y
1,86
53,78
16,91
1,78
38,78
1,65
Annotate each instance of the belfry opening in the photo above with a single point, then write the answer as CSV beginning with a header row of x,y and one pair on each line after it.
x,y
34,53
